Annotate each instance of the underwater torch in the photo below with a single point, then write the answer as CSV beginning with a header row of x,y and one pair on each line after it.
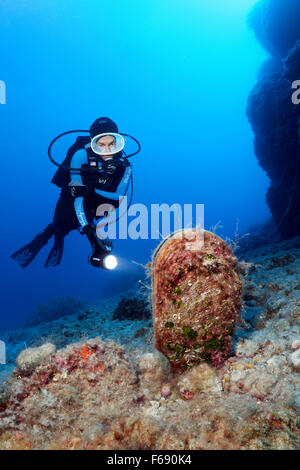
x,y
103,259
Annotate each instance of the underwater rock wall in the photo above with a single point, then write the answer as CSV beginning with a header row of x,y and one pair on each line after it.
x,y
274,117
276,24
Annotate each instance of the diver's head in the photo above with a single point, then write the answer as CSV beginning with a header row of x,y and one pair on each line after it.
x,y
107,144
102,126
105,140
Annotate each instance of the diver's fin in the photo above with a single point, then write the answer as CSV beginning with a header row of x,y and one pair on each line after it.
x,y
56,253
27,253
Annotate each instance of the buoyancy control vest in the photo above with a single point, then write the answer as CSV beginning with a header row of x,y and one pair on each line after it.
x,y
62,177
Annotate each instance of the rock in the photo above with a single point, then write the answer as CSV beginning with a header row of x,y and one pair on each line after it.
x,y
276,25
140,332
84,314
258,297
295,358
280,261
296,344
132,309
197,297
153,371
166,390
29,359
103,395
274,119
54,309
276,362
272,112
257,235
4,395
200,379
100,401
255,382
294,400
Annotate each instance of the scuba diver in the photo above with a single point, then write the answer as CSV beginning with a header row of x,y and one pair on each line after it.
x,y
94,172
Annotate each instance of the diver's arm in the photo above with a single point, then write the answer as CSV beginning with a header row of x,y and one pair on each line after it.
x,y
79,158
78,206
121,188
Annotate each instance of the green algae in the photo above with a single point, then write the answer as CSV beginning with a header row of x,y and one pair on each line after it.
x,y
214,344
178,349
177,290
189,333
210,256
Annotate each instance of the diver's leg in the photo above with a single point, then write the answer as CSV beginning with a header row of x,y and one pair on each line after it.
x,y
64,221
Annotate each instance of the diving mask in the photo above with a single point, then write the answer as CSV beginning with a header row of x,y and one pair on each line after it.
x,y
107,146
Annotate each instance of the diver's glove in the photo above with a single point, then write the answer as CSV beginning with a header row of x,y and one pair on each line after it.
x,y
89,230
80,191
110,166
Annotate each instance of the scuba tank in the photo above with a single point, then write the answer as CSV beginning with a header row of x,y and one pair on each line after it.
x,y
62,176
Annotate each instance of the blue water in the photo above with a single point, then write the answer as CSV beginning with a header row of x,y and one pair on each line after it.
x,y
174,74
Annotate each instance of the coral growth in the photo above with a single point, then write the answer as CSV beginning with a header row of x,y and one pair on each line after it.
x,y
196,300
